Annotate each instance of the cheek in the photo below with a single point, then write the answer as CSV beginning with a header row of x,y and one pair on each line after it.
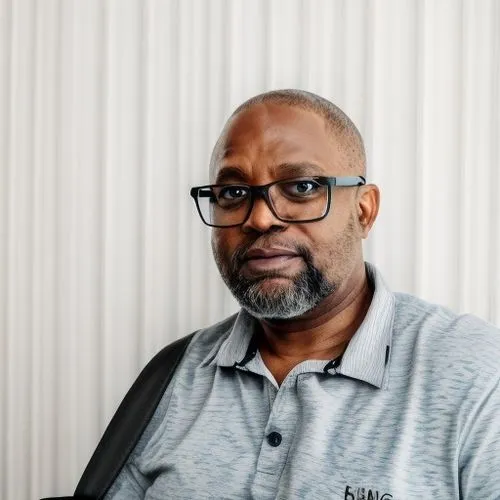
x,y
224,242
216,243
323,237
334,245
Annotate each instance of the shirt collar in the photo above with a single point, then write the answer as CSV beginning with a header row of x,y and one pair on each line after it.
x,y
238,347
366,355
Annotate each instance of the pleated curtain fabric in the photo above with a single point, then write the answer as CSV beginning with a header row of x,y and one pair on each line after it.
x,y
108,112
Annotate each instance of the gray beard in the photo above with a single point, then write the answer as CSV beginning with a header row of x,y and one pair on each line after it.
x,y
304,293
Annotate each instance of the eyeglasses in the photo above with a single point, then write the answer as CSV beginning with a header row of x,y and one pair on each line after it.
x,y
304,199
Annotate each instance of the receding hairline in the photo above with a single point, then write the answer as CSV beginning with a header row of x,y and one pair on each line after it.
x,y
345,131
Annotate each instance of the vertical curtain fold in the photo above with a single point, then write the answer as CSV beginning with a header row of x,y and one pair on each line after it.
x,y
108,112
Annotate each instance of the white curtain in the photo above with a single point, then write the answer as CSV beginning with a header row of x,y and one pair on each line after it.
x,y
108,111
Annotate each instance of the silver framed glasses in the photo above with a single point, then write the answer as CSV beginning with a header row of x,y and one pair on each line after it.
x,y
298,200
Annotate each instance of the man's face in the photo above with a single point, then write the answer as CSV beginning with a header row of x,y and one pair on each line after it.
x,y
280,270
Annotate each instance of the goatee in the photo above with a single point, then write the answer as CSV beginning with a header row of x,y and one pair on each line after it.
x,y
304,292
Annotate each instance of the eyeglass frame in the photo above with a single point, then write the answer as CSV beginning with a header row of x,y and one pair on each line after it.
x,y
262,191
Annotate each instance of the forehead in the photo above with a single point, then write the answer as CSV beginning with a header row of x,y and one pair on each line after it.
x,y
260,139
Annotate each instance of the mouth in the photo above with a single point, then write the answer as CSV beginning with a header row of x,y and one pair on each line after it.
x,y
276,261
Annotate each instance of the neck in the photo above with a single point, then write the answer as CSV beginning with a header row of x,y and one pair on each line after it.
x,y
322,333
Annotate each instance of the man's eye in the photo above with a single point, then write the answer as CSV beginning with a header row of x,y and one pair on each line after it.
x,y
233,193
300,188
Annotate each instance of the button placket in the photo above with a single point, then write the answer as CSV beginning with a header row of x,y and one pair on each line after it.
x,y
279,431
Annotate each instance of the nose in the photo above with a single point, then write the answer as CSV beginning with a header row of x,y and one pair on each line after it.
x,y
262,219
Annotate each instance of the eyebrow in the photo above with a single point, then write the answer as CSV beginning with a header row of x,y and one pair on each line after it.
x,y
283,171
230,173
300,169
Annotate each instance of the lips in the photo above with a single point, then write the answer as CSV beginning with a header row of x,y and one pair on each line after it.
x,y
260,261
268,253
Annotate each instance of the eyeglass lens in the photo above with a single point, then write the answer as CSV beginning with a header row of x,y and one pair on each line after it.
x,y
297,200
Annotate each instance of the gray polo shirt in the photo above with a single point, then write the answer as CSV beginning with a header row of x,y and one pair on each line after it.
x,y
410,411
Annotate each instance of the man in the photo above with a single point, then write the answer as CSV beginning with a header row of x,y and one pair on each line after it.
x,y
325,384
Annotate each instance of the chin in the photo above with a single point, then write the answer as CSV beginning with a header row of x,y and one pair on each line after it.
x,y
278,314
273,285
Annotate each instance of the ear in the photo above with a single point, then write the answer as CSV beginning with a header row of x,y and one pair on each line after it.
x,y
368,202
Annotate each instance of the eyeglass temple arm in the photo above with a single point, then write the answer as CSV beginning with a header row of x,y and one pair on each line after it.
x,y
350,181
195,192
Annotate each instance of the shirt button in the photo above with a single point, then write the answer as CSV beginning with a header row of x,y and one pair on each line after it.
x,y
274,439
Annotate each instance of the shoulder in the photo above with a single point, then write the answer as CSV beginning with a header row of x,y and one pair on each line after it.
x,y
206,342
449,343
436,323
202,348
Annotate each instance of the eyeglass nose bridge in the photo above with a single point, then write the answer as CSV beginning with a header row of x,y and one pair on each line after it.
x,y
261,192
